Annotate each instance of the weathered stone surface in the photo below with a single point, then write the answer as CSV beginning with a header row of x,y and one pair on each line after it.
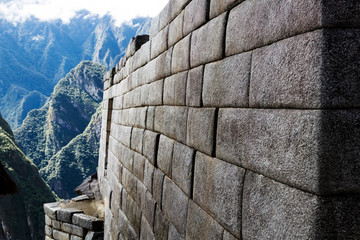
x,y
165,17
181,54
148,175
175,205
226,82
74,237
228,236
200,225
161,225
165,154
129,182
217,7
121,133
154,27
142,57
126,230
152,94
150,145
258,23
47,220
50,209
201,128
207,42
48,231
146,232
182,167
73,229
139,163
194,87
159,67
218,189
150,116
48,238
88,222
158,186
159,43
175,89
58,235
175,29
148,209
137,139
132,212
65,214
195,15
174,234
56,224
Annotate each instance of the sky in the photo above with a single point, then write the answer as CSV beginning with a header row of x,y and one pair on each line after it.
x,y
122,10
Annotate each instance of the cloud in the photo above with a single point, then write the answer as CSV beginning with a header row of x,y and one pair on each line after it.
x,y
46,10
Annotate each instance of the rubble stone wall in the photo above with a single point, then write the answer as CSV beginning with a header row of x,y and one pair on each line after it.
x,y
236,120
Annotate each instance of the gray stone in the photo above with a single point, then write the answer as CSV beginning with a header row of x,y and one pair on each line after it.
x,y
217,7
142,56
195,15
158,186
148,209
48,231
88,222
161,226
155,93
175,89
137,139
121,133
129,182
174,234
226,82
165,17
182,167
48,220
165,154
65,214
56,224
58,235
48,238
80,198
175,205
50,209
73,229
159,67
194,87
201,226
201,129
148,175
139,163
207,42
74,237
159,43
150,145
150,116
175,29
132,212
95,236
154,27
140,193
218,189
228,236
181,54
146,232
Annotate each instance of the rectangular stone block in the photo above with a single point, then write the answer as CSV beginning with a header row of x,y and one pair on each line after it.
x,y
150,145
48,220
218,7
174,234
165,154
226,82
160,67
195,15
148,209
158,186
176,29
129,182
137,139
73,237
159,43
65,214
148,175
175,205
146,232
218,190
132,212
194,86
138,168
50,209
165,17
153,93
150,116
200,225
201,129
142,56
56,224
140,195
182,167
121,133
118,102
73,229
207,42
154,27
175,89
48,238
161,226
88,222
48,231
58,235
181,55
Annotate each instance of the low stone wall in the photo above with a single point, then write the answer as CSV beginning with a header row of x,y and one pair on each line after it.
x,y
71,224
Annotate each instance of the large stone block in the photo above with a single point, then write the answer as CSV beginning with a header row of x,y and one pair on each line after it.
x,y
158,186
175,29
226,82
138,168
159,43
200,225
73,229
88,222
137,139
218,189
142,56
148,175
175,205
201,129
121,133
129,182
207,42
152,94
65,214
50,209
150,145
58,235
159,67
154,27
182,167
132,213
195,15
148,209
194,86
48,231
165,154
181,55
217,7
175,89
146,232
174,234
161,225
150,116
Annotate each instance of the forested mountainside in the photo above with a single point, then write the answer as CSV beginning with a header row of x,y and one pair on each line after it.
x,y
21,214
35,55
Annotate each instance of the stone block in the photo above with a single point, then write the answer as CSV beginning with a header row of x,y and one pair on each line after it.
x,y
138,168
137,139
200,225
58,235
194,87
159,67
146,232
175,205
165,17
181,54
150,116
142,56
148,209
158,186
94,236
218,7
154,27
155,93
176,29
132,212
150,145
118,103
148,175
195,15
207,42
73,229
129,182
175,89
48,231
226,82
74,237
50,209
229,236
56,224
48,220
165,154
218,189
161,225
159,43
182,167
121,133
88,222
48,238
201,129
65,214
174,234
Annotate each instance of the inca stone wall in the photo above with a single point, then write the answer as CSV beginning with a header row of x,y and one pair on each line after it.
x,y
236,120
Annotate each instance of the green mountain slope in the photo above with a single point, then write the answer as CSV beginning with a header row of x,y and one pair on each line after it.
x,y
76,161
21,214
66,114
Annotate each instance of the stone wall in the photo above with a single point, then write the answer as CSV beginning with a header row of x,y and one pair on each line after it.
x,y
236,120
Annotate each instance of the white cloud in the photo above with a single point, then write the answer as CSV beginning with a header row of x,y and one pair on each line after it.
x,y
45,10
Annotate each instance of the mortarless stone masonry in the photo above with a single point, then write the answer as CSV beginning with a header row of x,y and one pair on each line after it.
x,y
238,119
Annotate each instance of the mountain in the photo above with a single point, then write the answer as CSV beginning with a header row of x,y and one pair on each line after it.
x,y
76,161
65,115
21,214
35,55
